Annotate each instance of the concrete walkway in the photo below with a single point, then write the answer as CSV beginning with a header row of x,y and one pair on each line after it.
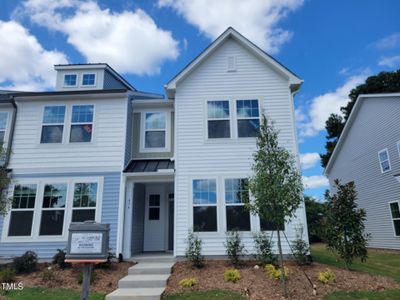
x,y
146,280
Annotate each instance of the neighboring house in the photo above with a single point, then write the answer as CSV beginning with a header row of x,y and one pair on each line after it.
x,y
153,168
368,153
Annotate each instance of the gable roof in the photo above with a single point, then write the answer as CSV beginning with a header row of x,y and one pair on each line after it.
x,y
294,80
349,122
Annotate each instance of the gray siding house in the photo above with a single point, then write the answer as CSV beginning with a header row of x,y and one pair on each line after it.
x,y
368,153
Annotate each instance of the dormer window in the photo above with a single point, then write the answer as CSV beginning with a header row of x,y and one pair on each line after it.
x,y
155,130
88,79
70,79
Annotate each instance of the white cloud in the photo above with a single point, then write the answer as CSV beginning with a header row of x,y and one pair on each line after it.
x,y
25,65
312,119
256,19
130,41
388,42
389,61
309,160
315,181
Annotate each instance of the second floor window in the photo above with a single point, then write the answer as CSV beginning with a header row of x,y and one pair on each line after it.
x,y
3,126
155,130
248,118
88,79
384,160
70,79
81,123
52,124
218,119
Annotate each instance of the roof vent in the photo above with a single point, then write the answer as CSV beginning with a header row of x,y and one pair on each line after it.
x,y
231,63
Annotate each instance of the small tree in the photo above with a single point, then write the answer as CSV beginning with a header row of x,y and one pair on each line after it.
x,y
345,224
193,250
5,200
276,184
234,247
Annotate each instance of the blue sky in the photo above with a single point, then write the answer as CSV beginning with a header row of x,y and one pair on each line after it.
x,y
333,45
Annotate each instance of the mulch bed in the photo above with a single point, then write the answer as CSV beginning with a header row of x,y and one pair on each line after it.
x,y
105,280
255,284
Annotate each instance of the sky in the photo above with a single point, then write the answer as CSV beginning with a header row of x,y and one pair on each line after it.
x,y
333,45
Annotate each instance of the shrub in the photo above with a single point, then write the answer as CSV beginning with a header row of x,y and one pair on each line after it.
x,y
59,259
188,282
93,277
25,263
232,275
301,249
49,275
7,275
275,273
234,247
327,277
193,250
263,247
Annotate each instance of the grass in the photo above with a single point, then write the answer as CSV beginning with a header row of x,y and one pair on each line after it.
x,y
364,295
209,295
47,294
379,262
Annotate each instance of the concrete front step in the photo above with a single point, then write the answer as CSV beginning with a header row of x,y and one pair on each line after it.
x,y
136,294
151,268
153,258
143,281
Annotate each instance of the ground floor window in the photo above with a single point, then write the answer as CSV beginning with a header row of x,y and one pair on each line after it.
x,y
45,207
237,216
204,205
266,225
395,213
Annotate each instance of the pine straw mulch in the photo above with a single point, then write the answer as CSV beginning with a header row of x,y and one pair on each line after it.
x,y
105,280
255,284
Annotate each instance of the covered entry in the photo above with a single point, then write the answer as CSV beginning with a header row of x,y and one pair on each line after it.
x,y
149,208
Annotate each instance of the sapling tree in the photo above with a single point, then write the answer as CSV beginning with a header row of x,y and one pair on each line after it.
x,y
345,224
276,183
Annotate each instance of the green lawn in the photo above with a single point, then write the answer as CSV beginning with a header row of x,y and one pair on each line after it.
x,y
209,295
364,295
379,262
47,294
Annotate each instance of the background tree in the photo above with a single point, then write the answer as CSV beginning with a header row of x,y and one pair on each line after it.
x,y
316,219
276,184
345,224
384,82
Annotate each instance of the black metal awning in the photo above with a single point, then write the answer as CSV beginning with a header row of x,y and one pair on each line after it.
x,y
148,165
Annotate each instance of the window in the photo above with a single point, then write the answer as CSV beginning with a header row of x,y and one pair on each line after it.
x,y
248,118
53,124
218,119
84,202
88,79
154,207
204,205
81,123
3,125
384,160
53,209
155,130
398,147
266,225
23,206
70,79
395,212
237,216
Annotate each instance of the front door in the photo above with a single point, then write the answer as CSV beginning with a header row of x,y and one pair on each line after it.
x,y
154,222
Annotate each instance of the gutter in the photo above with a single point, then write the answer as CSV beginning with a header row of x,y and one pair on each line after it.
x,y
11,134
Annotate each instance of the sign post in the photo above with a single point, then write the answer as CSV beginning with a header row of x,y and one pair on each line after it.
x,y
88,244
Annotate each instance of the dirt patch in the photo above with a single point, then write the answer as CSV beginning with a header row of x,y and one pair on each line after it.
x,y
105,279
256,285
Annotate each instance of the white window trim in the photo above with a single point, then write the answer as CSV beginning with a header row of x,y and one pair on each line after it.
x,y
398,148
7,129
225,204
70,86
393,219
40,183
51,124
192,204
81,123
237,118
89,85
388,160
167,130
229,100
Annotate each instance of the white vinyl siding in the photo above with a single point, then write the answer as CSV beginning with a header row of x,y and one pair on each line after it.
x,y
384,160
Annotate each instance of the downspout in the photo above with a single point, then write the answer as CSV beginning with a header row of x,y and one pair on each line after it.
x,y
11,135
